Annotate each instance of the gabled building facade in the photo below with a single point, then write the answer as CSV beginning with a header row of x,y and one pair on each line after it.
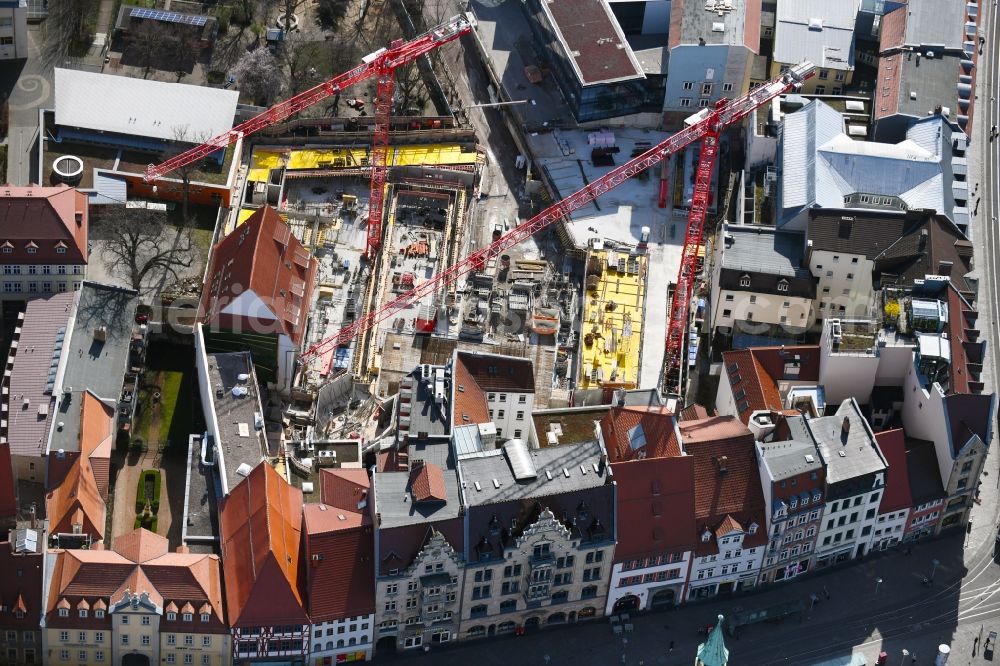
x,y
655,502
339,561
43,239
793,478
22,557
256,295
729,507
260,524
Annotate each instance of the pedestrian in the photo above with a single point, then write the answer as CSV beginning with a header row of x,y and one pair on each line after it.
x,y
671,648
623,659
826,592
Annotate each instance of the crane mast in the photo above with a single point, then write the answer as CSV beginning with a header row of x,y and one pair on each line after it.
x,y
705,126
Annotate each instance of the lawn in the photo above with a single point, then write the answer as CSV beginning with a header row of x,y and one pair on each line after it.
x,y
171,416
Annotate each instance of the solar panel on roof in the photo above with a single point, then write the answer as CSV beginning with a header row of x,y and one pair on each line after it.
x,y
168,17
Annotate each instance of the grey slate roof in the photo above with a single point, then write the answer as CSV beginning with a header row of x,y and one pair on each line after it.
x,y
847,455
922,471
423,413
235,412
33,361
91,364
795,41
578,460
821,166
933,81
788,459
935,22
767,255
392,489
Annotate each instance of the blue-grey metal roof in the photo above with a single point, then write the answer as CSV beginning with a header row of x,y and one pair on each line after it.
x,y
821,166
764,250
819,31
392,489
849,453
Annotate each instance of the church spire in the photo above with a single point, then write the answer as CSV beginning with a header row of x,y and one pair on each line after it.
x,y
713,651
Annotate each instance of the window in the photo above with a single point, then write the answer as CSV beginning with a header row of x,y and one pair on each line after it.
x,y
706,88
171,616
519,416
189,640
206,659
83,612
205,617
99,655
517,432
541,550
144,621
64,636
704,103
783,285
390,606
838,76
499,413
685,102
727,87
503,397
689,85
99,614
63,654
850,276
508,606
824,74
171,658
145,639
745,281
820,90
727,313
837,90
8,249
186,617
46,287
171,639
124,639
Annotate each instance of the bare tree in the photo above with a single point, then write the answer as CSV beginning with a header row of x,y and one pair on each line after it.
x,y
259,75
330,13
68,20
183,137
144,46
138,247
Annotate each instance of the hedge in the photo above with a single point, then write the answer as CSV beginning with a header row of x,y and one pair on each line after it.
x,y
149,522
140,491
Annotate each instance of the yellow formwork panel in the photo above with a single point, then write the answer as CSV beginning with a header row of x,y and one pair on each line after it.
x,y
244,215
612,321
261,162
434,154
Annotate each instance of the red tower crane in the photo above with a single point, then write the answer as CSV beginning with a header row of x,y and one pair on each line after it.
x,y
705,125
381,64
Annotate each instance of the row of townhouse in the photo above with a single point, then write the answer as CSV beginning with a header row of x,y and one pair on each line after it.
x,y
457,532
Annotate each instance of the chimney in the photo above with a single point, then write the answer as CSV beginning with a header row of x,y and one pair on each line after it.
x,y
723,461
944,267
34,516
79,218
602,463
923,238
846,427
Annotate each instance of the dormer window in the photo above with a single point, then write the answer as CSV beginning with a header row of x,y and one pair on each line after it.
x,y
706,536
7,247
205,617
63,612
83,612
99,614
782,285
745,281
60,248
31,247
753,528
793,502
171,617
187,617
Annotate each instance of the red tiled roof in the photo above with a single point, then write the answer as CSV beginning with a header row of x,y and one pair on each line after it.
x,y
718,443
339,582
693,412
344,488
594,39
470,401
727,526
97,432
260,256
260,524
966,346
897,483
93,576
8,499
427,482
77,500
655,506
890,65
753,374
20,587
658,436
751,25
498,373
45,216
141,545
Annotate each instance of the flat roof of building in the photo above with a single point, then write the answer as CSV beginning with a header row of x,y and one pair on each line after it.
x,y
89,363
615,310
141,107
590,35
692,20
394,501
420,415
790,458
849,452
33,372
819,31
237,407
200,529
490,478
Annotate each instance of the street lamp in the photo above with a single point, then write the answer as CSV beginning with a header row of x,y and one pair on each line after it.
x,y
878,581
934,565
906,653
